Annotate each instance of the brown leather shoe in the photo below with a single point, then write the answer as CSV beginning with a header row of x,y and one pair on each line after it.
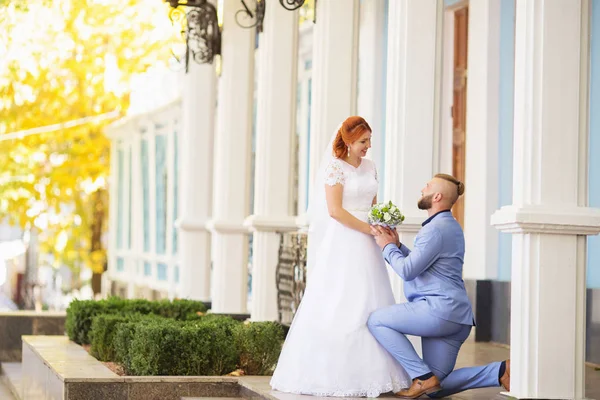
x,y
419,388
505,378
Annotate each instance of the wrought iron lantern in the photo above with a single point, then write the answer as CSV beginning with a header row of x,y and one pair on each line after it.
x,y
292,5
202,33
247,18
250,18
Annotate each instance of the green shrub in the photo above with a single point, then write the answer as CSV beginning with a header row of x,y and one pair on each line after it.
x,y
167,347
150,344
180,309
259,344
102,334
123,335
81,312
104,329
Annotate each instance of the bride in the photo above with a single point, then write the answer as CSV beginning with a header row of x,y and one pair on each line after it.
x,y
329,350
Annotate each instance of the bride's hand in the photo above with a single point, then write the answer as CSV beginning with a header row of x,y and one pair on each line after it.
x,y
370,230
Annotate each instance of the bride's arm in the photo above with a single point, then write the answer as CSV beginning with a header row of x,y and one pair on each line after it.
x,y
333,195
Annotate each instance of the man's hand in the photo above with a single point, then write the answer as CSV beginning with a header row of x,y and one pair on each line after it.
x,y
395,233
384,236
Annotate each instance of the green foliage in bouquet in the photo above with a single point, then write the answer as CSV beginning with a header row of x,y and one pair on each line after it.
x,y
385,214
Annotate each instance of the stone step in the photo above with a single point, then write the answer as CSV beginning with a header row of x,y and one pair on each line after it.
x,y
5,393
10,373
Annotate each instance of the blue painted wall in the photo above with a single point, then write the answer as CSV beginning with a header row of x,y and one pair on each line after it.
x,y
505,128
593,265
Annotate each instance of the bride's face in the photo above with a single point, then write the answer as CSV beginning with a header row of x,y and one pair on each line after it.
x,y
360,147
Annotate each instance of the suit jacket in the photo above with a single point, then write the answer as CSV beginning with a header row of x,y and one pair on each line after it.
x,y
432,271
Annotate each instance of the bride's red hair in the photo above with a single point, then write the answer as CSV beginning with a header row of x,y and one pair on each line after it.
x,y
350,131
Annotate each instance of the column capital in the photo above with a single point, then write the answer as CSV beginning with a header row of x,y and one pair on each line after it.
x,y
547,219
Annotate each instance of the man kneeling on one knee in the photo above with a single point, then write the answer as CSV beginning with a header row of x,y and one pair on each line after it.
x,y
438,309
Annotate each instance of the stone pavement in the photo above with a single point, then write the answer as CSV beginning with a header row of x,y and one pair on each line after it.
x,y
5,394
470,354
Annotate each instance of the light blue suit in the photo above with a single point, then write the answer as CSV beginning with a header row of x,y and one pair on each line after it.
x,y
438,308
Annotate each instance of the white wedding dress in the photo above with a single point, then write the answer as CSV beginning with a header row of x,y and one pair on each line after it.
x,y
329,350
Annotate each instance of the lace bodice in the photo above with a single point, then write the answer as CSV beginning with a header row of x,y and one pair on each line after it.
x,y
360,184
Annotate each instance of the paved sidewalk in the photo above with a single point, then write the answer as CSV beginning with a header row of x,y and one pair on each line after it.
x,y
5,394
470,354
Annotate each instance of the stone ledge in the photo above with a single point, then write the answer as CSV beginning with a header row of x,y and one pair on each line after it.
x,y
56,368
10,374
69,361
15,324
36,314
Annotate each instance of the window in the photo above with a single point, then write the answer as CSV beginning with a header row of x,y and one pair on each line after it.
x,y
161,194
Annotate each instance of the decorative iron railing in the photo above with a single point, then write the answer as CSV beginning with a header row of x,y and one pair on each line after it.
x,y
290,275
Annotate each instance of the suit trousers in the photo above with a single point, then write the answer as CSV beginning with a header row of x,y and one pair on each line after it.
x,y
441,341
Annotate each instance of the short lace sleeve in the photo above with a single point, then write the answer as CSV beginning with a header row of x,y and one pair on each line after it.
x,y
334,173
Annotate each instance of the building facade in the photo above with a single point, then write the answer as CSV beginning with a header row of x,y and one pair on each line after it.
x,y
503,94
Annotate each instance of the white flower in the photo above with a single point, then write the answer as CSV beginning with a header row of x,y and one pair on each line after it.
x,y
387,217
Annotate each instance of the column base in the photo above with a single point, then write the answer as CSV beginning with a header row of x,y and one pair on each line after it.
x,y
229,291
194,264
264,284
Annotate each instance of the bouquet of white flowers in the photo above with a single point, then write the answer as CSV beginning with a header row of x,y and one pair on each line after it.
x,y
385,214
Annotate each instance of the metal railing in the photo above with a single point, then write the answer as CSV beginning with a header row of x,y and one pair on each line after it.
x,y
290,274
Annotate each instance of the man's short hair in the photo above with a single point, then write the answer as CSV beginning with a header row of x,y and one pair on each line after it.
x,y
460,187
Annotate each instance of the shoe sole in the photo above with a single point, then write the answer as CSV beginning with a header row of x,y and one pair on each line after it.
x,y
428,391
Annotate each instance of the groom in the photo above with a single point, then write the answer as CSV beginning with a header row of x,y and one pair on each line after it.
x,y
438,309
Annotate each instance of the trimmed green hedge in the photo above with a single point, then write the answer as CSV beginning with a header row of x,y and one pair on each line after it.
x,y
104,329
124,334
163,338
259,344
81,313
195,348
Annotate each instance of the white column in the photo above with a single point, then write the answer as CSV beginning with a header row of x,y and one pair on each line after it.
x,y
137,234
303,116
275,128
371,71
232,166
481,175
113,187
196,166
412,76
549,218
137,208
335,68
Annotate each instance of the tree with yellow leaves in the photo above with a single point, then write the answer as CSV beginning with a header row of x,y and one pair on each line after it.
x,y
60,61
